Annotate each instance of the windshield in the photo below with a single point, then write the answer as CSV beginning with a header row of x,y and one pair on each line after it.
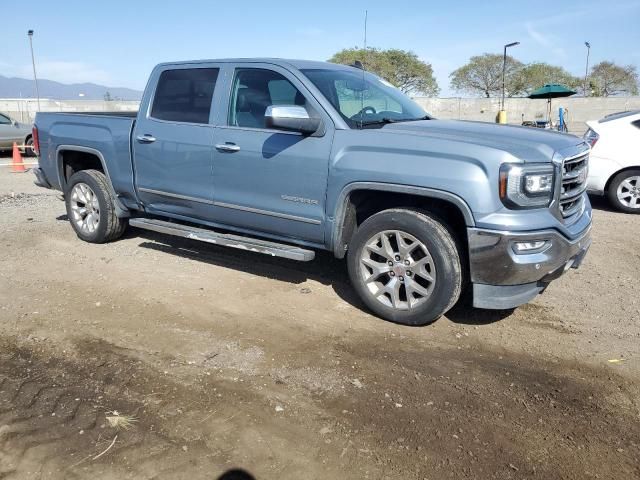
x,y
363,99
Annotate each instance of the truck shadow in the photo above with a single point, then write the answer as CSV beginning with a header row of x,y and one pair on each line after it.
x,y
324,269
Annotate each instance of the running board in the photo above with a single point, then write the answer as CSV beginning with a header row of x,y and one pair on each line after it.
x,y
225,239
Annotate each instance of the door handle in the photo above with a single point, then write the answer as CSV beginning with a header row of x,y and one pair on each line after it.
x,y
146,138
228,147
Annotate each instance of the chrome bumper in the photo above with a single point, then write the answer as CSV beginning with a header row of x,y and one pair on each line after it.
x,y
503,278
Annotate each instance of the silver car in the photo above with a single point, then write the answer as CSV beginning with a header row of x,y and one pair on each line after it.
x,y
13,131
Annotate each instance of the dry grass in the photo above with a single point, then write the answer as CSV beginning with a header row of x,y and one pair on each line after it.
x,y
120,422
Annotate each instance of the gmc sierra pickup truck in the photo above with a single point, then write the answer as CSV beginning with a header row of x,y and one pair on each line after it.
x,y
285,157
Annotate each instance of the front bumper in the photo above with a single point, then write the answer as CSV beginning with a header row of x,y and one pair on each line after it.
x,y
505,279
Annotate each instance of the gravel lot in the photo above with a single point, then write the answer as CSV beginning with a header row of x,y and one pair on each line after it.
x,y
224,359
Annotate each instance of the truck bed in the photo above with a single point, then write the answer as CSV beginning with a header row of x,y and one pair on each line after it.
x,y
107,135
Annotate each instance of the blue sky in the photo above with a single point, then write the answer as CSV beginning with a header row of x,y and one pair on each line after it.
x,y
117,42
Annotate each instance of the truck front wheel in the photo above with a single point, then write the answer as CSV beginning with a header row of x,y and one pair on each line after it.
x,y
405,266
90,208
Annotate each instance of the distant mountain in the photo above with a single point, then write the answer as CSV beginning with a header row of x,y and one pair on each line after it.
x,y
17,87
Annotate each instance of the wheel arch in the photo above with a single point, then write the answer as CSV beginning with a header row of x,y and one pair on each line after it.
x,y
74,158
615,174
353,208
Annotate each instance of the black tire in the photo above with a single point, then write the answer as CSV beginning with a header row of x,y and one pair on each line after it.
x,y
29,151
612,191
109,227
441,246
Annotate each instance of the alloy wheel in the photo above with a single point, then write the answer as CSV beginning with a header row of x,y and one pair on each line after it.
x,y
397,269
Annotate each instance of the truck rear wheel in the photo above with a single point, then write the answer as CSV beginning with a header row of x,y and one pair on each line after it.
x,y
405,266
90,208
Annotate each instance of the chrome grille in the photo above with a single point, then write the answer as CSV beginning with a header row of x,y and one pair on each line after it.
x,y
574,183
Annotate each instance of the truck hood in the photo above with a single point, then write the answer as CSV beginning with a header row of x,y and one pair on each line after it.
x,y
525,143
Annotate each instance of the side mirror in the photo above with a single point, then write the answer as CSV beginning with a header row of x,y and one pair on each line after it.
x,y
291,117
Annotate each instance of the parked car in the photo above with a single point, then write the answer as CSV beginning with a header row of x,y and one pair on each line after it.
x,y
12,131
285,157
614,169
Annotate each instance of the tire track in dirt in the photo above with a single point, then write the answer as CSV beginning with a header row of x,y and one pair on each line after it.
x,y
53,420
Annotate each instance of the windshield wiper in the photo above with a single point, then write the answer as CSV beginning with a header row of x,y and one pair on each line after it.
x,y
385,120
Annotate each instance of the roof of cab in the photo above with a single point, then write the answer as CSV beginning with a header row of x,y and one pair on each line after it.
x,y
298,64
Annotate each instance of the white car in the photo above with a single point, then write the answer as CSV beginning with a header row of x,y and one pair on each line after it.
x,y
614,164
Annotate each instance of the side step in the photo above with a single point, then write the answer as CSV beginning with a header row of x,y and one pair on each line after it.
x,y
225,239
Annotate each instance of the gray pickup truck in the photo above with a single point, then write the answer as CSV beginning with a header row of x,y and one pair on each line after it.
x,y
285,157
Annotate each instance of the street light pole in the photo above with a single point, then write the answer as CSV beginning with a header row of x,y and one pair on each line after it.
x,y
504,68
586,69
33,62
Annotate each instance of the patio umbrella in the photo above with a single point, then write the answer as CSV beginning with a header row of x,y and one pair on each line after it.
x,y
549,91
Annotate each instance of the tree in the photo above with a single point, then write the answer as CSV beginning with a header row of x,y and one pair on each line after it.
x,y
107,96
401,68
483,75
607,78
535,75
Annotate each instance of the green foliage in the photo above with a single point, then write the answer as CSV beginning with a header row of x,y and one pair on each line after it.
x,y
535,75
607,78
483,75
399,67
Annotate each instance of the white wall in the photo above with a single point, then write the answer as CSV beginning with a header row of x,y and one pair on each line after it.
x,y
485,109
24,110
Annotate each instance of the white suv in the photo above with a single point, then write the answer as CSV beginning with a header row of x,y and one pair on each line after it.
x,y
614,165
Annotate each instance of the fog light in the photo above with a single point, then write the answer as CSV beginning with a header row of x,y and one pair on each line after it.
x,y
535,246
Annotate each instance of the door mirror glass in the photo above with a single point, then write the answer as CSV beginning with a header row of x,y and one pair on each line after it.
x,y
291,117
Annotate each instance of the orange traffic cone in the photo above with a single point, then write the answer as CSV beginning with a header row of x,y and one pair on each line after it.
x,y
17,165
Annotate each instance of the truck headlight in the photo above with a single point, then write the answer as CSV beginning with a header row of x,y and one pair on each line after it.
x,y
526,186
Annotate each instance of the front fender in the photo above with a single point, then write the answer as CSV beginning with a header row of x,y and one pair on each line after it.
x,y
336,222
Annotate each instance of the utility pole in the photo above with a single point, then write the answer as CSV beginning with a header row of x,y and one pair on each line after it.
x,y
502,115
33,62
586,69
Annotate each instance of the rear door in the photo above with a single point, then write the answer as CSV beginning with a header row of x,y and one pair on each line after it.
x,y
173,141
269,180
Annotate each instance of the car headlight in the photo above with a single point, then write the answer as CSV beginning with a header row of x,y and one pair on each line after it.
x,y
526,186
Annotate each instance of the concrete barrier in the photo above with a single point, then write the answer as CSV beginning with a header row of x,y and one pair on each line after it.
x,y
24,110
482,109
518,109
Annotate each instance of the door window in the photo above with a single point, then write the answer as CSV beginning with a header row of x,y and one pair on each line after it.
x,y
4,120
185,95
256,89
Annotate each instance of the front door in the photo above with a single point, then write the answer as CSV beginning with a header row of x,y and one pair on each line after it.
x,y
173,143
269,180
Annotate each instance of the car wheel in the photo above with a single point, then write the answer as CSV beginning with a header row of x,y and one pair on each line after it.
x,y
405,266
90,208
29,151
624,191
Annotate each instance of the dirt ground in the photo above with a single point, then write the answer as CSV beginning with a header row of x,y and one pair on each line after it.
x,y
208,359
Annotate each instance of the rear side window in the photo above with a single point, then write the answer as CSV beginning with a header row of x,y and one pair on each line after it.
x,y
185,95
636,123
